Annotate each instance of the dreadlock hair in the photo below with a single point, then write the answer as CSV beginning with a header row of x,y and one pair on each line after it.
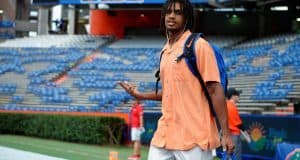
x,y
187,10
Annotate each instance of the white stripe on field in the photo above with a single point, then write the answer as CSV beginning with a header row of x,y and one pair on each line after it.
x,y
15,154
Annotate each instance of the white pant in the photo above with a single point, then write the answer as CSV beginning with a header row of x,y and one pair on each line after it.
x,y
195,153
136,134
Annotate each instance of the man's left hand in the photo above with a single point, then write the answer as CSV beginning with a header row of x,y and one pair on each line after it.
x,y
142,129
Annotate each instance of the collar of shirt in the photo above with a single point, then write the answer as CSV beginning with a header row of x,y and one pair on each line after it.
x,y
178,43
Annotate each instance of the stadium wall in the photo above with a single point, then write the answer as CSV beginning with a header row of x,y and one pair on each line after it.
x,y
243,23
249,23
105,22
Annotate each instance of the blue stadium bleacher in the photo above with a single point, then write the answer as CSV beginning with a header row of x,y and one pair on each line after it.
x,y
6,28
37,67
8,88
7,24
91,85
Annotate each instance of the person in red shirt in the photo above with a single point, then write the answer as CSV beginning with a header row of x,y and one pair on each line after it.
x,y
137,128
234,120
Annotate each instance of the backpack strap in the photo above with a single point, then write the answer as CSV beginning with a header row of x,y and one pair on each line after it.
x,y
188,51
158,72
191,61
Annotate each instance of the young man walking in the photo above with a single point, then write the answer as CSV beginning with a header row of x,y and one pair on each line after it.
x,y
187,129
137,129
234,119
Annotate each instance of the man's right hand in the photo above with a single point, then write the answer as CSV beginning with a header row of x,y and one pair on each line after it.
x,y
227,143
129,88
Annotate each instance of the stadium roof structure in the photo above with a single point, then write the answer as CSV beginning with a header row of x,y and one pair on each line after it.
x,y
249,4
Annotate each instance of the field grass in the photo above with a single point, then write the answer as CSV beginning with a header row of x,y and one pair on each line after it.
x,y
71,151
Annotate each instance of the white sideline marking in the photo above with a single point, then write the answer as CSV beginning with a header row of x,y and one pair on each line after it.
x,y
95,154
16,154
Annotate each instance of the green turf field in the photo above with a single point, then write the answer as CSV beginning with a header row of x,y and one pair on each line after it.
x,y
71,151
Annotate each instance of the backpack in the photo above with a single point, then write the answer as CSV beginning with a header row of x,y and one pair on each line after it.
x,y
190,58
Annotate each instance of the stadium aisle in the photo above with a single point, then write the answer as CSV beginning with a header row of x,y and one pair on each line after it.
x,y
13,154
